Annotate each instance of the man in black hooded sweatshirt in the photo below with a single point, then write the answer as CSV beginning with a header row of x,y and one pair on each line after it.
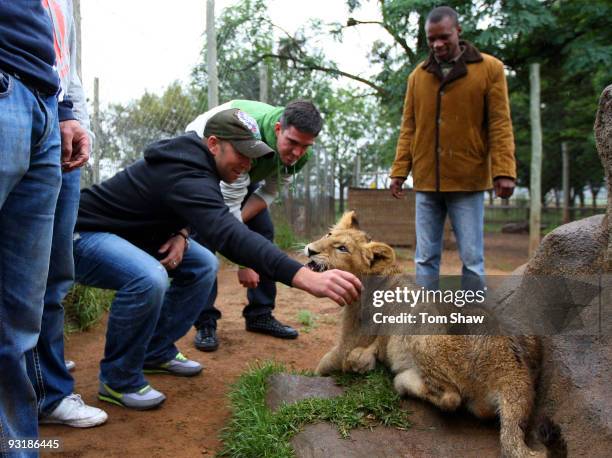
x,y
128,231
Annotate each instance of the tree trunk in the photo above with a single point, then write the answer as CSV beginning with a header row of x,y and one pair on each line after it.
x,y
536,159
566,182
594,194
581,197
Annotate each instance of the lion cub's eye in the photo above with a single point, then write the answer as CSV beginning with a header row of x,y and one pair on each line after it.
x,y
342,249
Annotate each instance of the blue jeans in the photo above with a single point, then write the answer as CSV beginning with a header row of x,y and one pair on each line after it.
x,y
46,366
148,313
466,213
29,184
261,299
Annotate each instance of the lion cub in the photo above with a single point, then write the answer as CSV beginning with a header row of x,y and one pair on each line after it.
x,y
490,375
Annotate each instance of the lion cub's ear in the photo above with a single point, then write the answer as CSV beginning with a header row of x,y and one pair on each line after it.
x,y
348,221
382,255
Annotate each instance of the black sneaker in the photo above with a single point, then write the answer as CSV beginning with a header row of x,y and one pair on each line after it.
x,y
206,339
267,324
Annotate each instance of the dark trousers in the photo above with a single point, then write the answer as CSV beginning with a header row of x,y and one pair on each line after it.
x,y
261,299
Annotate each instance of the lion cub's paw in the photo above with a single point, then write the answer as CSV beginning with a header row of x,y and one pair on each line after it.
x,y
360,360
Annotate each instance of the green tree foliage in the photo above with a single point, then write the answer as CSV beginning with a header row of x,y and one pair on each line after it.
x,y
127,129
351,130
574,46
572,40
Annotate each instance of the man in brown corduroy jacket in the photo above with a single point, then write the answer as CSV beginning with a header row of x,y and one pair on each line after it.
x,y
456,139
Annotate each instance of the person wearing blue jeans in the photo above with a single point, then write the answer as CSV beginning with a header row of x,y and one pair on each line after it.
x,y
456,139
29,186
149,312
466,213
261,300
122,223
290,132
53,384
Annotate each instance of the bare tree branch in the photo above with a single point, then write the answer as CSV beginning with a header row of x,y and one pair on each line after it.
x,y
307,66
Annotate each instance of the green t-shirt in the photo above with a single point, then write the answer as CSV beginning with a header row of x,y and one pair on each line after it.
x,y
266,117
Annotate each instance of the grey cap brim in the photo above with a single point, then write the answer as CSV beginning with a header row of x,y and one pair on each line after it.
x,y
252,148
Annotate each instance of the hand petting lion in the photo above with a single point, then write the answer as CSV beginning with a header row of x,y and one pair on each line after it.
x,y
490,375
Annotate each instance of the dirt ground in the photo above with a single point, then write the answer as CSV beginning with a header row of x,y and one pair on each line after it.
x,y
196,409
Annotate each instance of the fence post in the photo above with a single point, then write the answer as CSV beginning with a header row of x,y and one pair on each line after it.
x,y
536,159
97,131
211,55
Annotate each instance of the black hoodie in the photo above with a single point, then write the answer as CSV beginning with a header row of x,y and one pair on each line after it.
x,y
174,186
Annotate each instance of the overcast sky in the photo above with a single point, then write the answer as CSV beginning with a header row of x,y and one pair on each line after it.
x,y
133,45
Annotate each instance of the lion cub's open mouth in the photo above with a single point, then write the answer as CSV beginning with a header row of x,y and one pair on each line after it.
x,y
316,267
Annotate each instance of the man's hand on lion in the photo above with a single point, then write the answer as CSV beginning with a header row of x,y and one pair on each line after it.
x,y
396,187
248,277
340,286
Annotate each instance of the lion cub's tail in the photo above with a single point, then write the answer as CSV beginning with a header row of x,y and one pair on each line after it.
x,y
514,412
549,433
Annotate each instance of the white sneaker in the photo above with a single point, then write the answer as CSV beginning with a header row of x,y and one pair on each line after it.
x,y
70,365
72,411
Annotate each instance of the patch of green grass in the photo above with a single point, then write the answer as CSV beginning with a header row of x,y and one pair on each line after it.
x,y
285,238
307,319
255,431
85,306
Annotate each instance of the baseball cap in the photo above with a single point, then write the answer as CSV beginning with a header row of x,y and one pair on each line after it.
x,y
241,130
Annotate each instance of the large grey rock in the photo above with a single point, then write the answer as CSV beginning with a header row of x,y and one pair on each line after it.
x,y
286,388
572,249
575,392
323,441
558,290
433,433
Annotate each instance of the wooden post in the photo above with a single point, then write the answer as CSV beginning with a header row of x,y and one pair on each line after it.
x,y
263,82
211,55
536,159
76,12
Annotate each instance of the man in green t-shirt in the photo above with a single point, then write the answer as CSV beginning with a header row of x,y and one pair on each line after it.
x,y
289,131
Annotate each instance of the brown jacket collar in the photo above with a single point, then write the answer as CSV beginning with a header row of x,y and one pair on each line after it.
x,y
470,55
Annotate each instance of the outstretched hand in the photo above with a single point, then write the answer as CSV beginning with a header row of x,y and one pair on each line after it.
x,y
340,286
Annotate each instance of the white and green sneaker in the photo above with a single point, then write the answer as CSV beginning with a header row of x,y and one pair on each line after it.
x,y
179,365
144,399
